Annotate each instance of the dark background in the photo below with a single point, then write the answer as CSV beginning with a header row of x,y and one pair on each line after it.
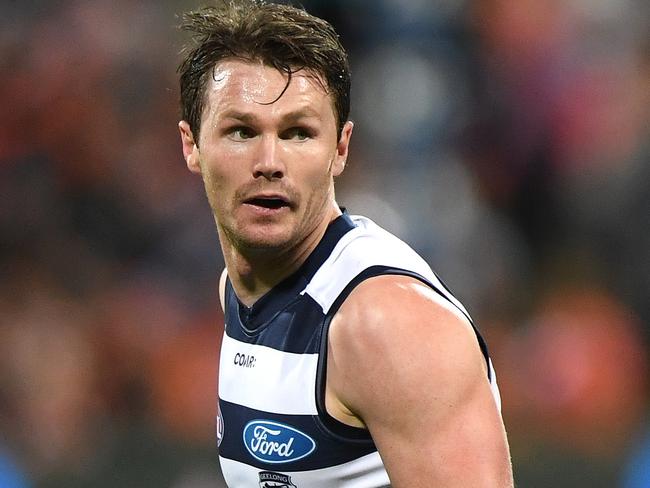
x,y
507,141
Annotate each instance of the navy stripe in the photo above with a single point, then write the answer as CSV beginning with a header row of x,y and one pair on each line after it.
x,y
328,451
296,328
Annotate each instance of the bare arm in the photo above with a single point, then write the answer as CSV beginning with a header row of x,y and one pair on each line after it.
x,y
408,367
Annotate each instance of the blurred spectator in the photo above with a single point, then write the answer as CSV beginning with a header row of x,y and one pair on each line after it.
x,y
579,392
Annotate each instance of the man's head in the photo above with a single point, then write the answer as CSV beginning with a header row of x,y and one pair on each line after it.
x,y
265,97
280,36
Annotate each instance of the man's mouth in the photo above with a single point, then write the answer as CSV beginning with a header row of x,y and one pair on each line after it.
x,y
267,202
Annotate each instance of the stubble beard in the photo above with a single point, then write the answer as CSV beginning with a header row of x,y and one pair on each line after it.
x,y
258,243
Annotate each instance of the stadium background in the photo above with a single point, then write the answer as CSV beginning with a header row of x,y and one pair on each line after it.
x,y
506,140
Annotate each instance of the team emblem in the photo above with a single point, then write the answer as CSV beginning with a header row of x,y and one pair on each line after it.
x,y
269,479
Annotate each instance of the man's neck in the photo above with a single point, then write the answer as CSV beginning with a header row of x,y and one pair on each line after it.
x,y
252,274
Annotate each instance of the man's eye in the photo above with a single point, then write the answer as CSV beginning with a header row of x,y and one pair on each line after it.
x,y
241,133
297,133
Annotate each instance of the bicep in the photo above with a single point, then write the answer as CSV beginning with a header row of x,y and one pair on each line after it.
x,y
423,390
429,437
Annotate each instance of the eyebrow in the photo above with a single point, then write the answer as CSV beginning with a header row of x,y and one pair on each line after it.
x,y
293,116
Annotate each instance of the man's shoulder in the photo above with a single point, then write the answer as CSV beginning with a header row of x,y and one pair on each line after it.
x,y
395,329
393,304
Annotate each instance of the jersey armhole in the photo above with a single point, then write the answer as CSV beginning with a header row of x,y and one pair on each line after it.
x,y
331,424
228,292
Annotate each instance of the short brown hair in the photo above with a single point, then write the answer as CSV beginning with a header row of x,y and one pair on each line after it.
x,y
282,36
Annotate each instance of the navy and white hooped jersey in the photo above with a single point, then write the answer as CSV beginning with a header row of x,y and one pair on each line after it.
x,y
273,430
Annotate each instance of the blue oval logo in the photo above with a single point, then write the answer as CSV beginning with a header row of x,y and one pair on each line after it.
x,y
272,442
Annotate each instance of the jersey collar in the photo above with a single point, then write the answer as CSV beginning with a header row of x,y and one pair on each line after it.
x,y
281,295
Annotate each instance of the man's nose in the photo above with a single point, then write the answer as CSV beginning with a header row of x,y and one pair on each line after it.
x,y
268,163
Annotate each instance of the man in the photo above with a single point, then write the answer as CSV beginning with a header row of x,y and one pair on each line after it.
x,y
345,362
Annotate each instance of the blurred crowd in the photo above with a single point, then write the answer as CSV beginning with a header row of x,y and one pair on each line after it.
x,y
507,141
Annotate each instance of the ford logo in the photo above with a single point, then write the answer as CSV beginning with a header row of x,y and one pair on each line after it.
x,y
272,442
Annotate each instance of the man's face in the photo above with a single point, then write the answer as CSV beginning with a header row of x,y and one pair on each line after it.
x,y
268,168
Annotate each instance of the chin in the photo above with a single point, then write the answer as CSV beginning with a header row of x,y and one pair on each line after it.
x,y
264,241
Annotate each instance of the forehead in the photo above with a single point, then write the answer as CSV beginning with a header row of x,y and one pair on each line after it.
x,y
253,86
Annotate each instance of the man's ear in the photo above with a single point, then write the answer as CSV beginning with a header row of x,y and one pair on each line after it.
x,y
190,148
342,149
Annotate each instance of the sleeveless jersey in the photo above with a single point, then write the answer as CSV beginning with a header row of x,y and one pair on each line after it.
x,y
273,429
